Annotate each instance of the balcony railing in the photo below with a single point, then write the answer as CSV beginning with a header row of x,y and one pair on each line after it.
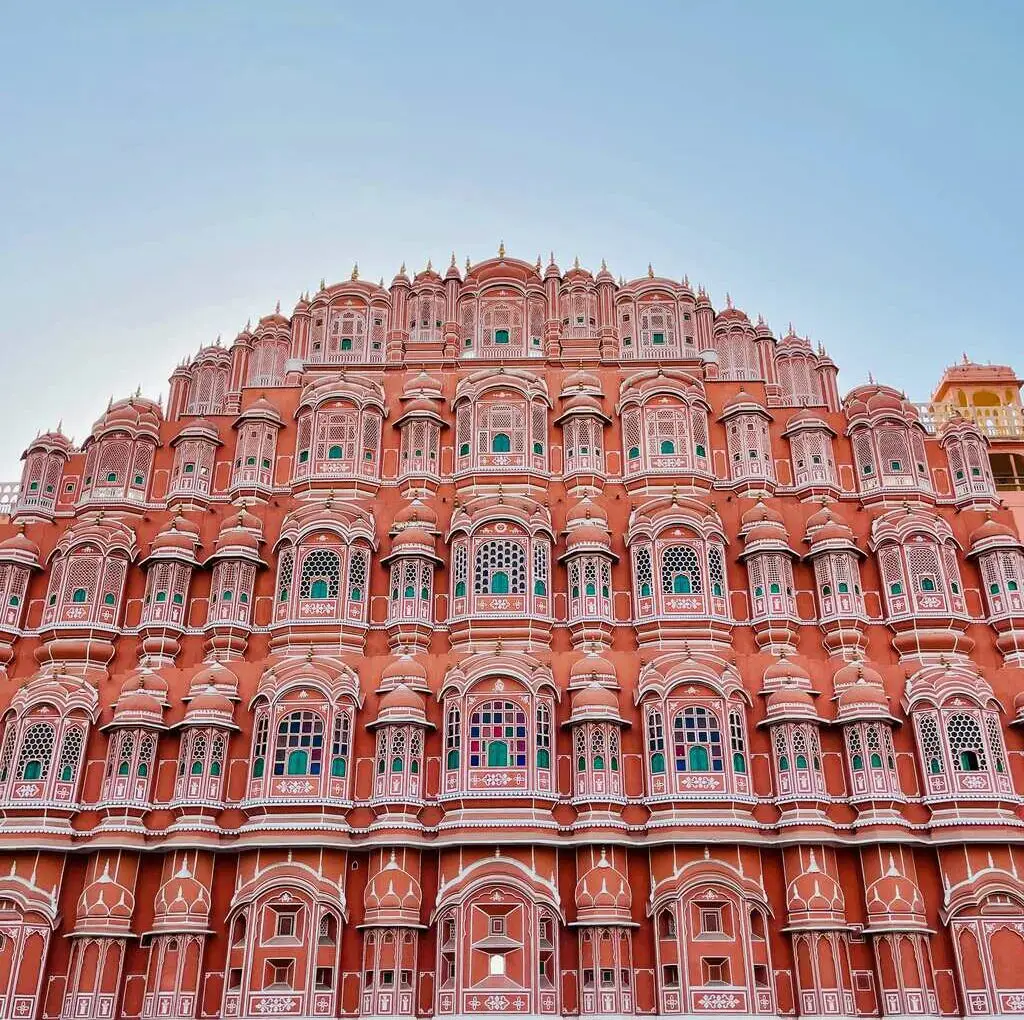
x,y
996,422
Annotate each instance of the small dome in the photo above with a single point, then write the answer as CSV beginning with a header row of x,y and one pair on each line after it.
x,y
595,701
790,702
592,667
261,408
179,534
19,547
413,540
182,903
855,672
210,705
581,381
741,400
603,895
133,414
761,513
990,531
138,706
862,699
405,669
105,905
416,514
392,896
586,511
786,673
582,402
588,536
814,893
401,704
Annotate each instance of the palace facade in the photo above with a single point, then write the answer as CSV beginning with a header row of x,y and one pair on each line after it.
x,y
516,642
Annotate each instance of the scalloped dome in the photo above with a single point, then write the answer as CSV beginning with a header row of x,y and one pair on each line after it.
x,y
603,894
405,667
761,513
786,672
853,672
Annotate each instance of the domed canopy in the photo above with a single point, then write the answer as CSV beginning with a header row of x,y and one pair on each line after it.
x,y
855,672
105,907
401,704
862,700
992,534
138,416
392,897
178,540
406,670
182,903
603,895
790,703
19,548
591,668
416,514
210,707
784,672
595,702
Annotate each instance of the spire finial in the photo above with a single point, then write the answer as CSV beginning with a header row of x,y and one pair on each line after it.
x,y
604,267
430,266
401,269
576,262
551,258
501,250
452,266
728,300
537,265
355,271
277,307
323,283
468,265
650,271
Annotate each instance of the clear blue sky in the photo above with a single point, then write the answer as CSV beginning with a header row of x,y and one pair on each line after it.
x,y
169,170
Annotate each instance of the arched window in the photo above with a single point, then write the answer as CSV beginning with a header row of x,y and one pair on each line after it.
x,y
656,742
453,737
259,747
339,745
500,568
321,573
680,571
966,745
500,443
543,737
36,752
498,735
697,741
300,745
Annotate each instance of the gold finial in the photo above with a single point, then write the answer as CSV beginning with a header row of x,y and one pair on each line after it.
x,y
501,250
355,271
650,271
468,266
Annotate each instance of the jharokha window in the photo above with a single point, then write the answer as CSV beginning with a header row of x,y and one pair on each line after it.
x,y
696,744
668,436
502,431
41,756
501,570
680,576
961,749
322,579
301,746
499,739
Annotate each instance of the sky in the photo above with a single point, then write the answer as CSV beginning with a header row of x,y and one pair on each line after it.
x,y
169,171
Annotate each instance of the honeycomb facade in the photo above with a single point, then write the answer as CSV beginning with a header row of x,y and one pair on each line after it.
x,y
512,642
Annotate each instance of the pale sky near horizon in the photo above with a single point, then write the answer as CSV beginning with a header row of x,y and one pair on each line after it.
x,y
168,171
